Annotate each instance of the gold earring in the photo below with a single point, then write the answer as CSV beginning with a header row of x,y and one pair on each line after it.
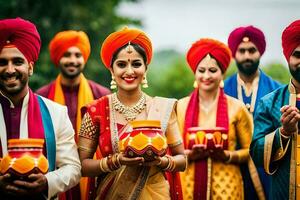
x,y
145,82
195,84
113,84
221,84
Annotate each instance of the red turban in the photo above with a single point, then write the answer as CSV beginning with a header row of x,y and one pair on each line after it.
x,y
252,33
215,48
66,39
22,34
118,39
291,38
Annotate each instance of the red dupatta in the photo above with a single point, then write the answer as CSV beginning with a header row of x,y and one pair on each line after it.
x,y
191,120
99,112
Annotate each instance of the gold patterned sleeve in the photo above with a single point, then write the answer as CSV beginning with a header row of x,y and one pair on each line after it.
x,y
88,135
173,133
244,129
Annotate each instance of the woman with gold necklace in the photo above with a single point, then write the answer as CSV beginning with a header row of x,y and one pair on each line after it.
x,y
127,53
220,122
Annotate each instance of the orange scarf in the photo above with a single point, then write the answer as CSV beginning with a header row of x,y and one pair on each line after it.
x,y
85,96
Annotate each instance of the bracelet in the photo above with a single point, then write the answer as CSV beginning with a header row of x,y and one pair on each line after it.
x,y
159,163
113,162
103,165
171,163
230,158
118,160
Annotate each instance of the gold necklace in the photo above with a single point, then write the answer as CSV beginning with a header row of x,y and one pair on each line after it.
x,y
129,112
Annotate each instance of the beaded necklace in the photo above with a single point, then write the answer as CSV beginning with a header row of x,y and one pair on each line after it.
x,y
129,112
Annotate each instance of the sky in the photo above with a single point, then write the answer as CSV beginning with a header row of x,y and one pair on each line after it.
x,y
176,24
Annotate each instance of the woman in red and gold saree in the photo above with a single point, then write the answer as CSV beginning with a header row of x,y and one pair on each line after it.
x,y
213,173
127,53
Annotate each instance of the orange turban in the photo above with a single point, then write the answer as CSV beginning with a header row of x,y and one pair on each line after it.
x,y
215,48
66,39
118,39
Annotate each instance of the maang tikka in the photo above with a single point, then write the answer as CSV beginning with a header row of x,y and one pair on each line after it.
x,y
129,48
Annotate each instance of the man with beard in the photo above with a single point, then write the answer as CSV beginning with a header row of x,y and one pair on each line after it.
x,y
69,51
249,85
23,114
276,141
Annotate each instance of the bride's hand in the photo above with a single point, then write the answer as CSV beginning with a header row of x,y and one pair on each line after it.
x,y
131,161
158,161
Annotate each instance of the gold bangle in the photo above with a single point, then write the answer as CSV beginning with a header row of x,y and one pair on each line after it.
x,y
118,160
174,164
169,163
100,165
230,158
159,163
105,165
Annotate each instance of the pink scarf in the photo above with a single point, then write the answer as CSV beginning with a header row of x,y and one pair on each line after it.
x,y
35,124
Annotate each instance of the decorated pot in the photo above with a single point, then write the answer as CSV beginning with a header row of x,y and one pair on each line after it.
x,y
146,140
206,138
25,156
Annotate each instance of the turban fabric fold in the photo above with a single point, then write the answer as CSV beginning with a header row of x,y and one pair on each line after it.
x,y
291,39
118,39
215,48
22,34
66,39
252,33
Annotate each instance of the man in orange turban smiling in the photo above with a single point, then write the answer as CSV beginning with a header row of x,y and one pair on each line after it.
x,y
69,51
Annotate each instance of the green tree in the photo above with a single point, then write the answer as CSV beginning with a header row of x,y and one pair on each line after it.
x,y
278,72
96,18
169,75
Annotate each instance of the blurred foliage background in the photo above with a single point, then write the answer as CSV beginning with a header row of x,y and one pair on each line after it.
x,y
96,18
168,74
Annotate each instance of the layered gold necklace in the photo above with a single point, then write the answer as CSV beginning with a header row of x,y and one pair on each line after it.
x,y
129,112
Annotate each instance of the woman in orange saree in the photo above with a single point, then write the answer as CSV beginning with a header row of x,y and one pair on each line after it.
x,y
127,53
213,171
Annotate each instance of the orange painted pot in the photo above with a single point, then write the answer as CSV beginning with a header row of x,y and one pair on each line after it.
x,y
25,156
146,140
207,138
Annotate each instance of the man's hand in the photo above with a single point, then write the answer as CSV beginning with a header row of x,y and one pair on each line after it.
x,y
5,184
289,119
36,184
